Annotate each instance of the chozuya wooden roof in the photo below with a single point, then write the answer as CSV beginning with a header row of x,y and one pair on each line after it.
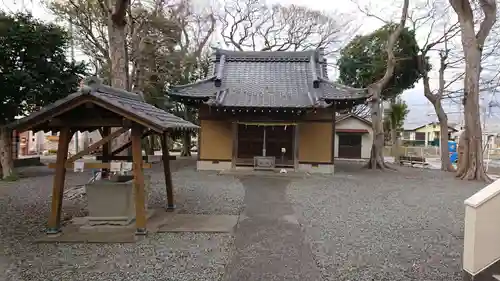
x,y
98,102
268,79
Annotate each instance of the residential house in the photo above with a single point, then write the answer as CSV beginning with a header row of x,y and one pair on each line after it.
x,y
425,135
353,137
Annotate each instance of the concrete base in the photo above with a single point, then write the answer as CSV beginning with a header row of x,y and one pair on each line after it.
x,y
85,224
79,231
203,165
273,174
198,223
319,168
112,203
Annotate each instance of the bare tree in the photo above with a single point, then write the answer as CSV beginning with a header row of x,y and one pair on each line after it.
x,y
90,27
164,42
252,25
434,19
374,90
471,158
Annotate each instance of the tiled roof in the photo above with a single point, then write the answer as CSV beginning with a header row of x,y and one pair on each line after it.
x,y
121,102
351,115
268,79
412,126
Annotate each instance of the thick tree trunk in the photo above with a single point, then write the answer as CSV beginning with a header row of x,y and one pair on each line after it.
x,y
151,146
377,154
443,137
471,166
6,161
119,69
374,91
395,144
471,160
186,143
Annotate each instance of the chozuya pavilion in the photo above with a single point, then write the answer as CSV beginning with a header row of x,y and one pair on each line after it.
x,y
267,110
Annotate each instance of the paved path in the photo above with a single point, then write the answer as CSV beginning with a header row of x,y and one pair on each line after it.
x,y
270,244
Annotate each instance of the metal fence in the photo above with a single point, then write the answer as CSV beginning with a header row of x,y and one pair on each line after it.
x,y
433,152
420,151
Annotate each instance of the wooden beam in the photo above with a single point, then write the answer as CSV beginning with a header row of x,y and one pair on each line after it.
x,y
87,122
128,144
140,198
58,185
96,145
94,165
168,174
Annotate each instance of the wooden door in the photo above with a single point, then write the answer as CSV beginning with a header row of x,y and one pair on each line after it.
x,y
350,146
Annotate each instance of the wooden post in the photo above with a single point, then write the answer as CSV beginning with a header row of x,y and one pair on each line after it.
x,y
140,208
168,174
58,185
296,148
235,144
105,149
333,133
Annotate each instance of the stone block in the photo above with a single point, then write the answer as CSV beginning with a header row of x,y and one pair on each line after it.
x,y
112,203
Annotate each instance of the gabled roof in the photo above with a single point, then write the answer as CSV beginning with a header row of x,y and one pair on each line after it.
x,y
414,128
126,104
350,115
268,79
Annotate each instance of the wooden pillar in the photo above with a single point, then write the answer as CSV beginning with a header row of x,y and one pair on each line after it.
x,y
140,198
234,126
296,147
106,150
198,145
333,133
58,185
168,174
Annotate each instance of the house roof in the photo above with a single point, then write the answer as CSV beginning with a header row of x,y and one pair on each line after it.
x,y
350,115
414,128
129,105
268,79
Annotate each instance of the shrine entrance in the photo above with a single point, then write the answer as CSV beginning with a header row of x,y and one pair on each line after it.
x,y
266,140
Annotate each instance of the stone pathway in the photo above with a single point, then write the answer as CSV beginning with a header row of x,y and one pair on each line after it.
x,y
270,244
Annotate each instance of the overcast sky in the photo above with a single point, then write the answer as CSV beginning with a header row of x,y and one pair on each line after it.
x,y
420,109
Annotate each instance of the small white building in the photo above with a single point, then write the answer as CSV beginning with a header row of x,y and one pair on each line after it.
x,y
353,137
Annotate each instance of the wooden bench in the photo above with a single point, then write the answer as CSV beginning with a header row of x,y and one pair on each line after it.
x,y
412,160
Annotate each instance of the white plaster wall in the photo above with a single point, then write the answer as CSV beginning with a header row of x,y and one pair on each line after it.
x,y
319,169
482,229
202,165
366,139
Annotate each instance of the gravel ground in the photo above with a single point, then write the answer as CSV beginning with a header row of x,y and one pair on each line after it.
x,y
24,207
368,225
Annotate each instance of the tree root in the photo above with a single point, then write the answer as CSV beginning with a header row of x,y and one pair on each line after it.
x,y
474,173
380,164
